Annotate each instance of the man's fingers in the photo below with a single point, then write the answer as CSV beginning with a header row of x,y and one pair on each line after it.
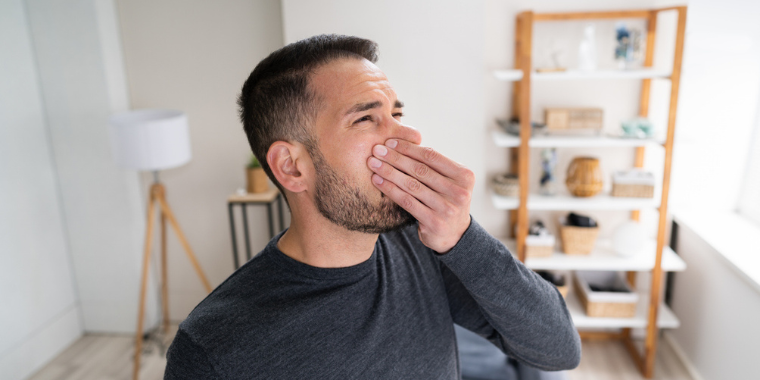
x,y
413,168
438,162
409,203
408,184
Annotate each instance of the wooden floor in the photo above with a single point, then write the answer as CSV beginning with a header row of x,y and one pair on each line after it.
x,y
606,360
109,357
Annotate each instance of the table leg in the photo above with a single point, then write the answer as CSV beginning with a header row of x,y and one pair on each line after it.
x,y
271,221
279,210
235,258
245,230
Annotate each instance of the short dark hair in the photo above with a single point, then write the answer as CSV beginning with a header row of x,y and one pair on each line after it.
x,y
276,103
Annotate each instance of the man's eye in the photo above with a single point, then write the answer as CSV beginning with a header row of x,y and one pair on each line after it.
x,y
398,114
365,118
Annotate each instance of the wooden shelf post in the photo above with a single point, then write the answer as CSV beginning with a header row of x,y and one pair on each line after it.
x,y
650,345
526,65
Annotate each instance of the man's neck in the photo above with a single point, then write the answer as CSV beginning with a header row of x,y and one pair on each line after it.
x,y
313,239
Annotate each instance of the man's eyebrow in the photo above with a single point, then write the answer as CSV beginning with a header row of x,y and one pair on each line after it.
x,y
361,107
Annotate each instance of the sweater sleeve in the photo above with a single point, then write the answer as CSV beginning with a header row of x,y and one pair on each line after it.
x,y
494,295
187,360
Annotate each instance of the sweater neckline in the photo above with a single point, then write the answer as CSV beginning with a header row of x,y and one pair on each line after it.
x,y
296,267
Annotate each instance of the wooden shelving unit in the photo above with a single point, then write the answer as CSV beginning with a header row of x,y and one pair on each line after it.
x,y
651,313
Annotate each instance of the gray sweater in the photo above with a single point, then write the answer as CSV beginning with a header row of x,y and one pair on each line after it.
x,y
390,317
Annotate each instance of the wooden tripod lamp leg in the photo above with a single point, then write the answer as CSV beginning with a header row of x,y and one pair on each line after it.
x,y
168,212
143,286
164,275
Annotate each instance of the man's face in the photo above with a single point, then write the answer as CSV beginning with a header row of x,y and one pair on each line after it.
x,y
358,110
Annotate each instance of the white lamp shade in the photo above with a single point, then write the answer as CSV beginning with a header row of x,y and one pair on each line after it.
x,y
150,139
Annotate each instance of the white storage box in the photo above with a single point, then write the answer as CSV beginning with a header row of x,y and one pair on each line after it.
x,y
605,303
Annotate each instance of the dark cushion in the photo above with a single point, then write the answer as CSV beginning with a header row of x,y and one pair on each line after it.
x,y
481,360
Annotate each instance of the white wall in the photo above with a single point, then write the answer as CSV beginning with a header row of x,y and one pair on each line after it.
x,y
718,309
194,56
39,315
79,64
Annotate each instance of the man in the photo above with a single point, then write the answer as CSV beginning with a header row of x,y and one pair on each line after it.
x,y
381,257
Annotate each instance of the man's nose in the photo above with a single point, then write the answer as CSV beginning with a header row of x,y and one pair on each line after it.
x,y
408,133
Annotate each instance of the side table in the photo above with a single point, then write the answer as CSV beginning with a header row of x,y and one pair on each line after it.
x,y
267,198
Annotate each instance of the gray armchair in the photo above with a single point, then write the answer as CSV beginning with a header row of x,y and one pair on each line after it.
x,y
481,360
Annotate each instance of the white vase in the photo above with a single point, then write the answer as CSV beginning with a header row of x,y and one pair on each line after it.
x,y
587,49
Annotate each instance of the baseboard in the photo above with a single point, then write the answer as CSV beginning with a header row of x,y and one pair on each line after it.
x,y
31,355
682,355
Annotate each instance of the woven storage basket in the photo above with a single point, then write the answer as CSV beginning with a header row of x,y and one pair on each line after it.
x,y
636,183
506,185
632,191
539,246
616,305
573,118
538,250
578,240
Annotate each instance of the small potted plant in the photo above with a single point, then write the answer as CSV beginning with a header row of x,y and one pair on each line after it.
x,y
257,178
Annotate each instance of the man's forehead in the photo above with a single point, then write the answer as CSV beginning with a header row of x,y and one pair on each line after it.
x,y
344,79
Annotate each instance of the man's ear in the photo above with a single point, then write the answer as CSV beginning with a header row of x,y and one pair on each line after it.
x,y
287,162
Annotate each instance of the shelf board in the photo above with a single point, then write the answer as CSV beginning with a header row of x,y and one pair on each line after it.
x,y
505,140
568,202
604,258
665,317
508,75
515,75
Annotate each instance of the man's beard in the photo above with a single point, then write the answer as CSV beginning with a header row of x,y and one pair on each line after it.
x,y
347,207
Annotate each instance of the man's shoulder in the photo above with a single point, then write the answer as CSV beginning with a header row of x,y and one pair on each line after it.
x,y
220,313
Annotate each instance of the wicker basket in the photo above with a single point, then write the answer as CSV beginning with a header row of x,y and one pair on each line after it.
x,y
632,191
506,185
635,183
538,250
539,246
605,304
578,240
573,118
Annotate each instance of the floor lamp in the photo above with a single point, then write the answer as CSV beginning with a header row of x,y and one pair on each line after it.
x,y
153,140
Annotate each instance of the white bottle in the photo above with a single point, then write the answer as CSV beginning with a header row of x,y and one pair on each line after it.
x,y
587,50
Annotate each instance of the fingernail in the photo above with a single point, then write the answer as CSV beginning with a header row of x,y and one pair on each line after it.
x,y
374,162
392,143
377,179
380,150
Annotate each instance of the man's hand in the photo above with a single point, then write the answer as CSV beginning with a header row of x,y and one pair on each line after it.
x,y
434,189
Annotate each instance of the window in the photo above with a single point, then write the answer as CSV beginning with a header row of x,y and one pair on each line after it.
x,y
749,200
